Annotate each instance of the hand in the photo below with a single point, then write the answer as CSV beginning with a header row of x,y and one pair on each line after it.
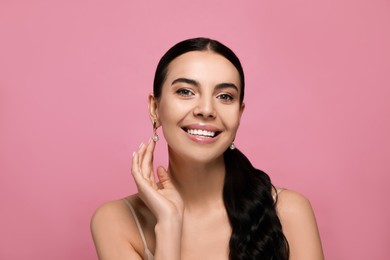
x,y
165,201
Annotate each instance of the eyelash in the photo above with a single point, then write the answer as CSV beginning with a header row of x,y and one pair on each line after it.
x,y
225,97
184,92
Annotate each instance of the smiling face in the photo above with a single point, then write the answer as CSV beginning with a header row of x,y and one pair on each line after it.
x,y
199,108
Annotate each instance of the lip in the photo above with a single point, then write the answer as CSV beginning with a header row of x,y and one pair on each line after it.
x,y
202,139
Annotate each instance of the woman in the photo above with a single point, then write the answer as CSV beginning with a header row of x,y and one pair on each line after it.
x,y
210,203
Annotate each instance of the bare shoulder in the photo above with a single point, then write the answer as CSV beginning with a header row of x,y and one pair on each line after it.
x,y
299,225
291,203
111,214
114,231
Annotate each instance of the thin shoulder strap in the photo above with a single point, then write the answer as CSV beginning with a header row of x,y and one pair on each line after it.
x,y
278,191
148,254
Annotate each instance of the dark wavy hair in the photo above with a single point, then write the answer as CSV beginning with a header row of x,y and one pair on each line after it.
x,y
247,192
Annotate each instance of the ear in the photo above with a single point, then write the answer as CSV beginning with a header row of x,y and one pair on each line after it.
x,y
153,109
242,108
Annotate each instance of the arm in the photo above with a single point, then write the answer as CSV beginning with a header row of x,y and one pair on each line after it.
x,y
299,226
114,230
164,202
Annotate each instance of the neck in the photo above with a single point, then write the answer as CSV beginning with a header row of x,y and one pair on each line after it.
x,y
200,184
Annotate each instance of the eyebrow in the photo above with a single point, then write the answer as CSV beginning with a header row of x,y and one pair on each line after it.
x,y
185,80
196,83
227,85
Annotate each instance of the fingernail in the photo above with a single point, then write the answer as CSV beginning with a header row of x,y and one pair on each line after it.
x,y
150,139
140,145
133,154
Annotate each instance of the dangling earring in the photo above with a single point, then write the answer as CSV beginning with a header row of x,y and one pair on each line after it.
x,y
155,135
232,146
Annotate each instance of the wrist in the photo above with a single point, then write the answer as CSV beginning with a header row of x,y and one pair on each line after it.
x,y
168,225
168,239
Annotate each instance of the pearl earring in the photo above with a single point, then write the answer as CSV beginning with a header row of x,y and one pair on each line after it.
x,y
232,146
155,135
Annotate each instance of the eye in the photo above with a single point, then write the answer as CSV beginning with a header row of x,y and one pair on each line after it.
x,y
225,97
184,92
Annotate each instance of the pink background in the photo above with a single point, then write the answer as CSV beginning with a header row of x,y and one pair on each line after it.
x,y
74,77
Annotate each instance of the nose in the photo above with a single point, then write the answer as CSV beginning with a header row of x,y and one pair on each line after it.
x,y
205,108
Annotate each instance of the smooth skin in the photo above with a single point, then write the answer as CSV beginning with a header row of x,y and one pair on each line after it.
x,y
182,213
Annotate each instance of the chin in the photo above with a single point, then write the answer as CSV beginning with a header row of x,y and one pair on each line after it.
x,y
201,156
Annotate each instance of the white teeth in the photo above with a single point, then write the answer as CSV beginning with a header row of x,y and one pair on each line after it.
x,y
201,132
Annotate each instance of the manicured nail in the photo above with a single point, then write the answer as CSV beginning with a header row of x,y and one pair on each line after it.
x,y
140,145
150,139
133,154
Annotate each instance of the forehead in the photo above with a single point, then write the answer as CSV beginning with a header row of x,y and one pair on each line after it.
x,y
203,66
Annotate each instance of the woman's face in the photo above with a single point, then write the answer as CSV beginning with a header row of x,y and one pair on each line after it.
x,y
199,108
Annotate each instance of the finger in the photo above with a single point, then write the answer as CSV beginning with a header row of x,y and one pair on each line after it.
x,y
141,151
164,178
141,154
147,162
135,166
143,185
135,171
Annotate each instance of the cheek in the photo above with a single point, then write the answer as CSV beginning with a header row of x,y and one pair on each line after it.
x,y
168,112
174,109
236,124
232,117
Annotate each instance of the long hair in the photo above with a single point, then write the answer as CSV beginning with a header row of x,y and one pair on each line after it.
x,y
247,192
